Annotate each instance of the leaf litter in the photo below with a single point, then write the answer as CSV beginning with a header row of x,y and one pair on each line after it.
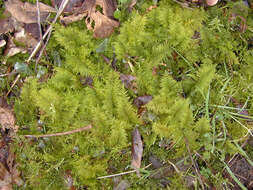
x,y
9,173
99,17
137,150
27,12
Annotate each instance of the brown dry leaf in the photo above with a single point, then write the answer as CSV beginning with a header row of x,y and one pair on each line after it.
x,y
6,25
123,185
13,169
32,30
72,18
28,36
142,100
8,168
71,7
127,80
101,24
137,150
7,119
25,38
150,8
11,175
27,12
5,176
12,49
104,26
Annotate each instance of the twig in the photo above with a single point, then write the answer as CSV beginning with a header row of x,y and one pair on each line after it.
x,y
39,25
194,164
8,74
123,173
60,134
42,49
174,166
13,84
38,18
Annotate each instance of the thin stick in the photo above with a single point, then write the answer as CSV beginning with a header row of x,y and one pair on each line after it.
x,y
42,49
38,18
13,84
174,166
123,173
194,164
39,25
60,134
8,74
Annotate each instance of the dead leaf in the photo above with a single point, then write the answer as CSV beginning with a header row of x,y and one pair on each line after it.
x,y
98,13
13,169
5,176
25,38
71,7
101,24
69,180
142,100
150,8
11,176
6,25
12,49
127,80
155,161
137,150
27,12
242,169
104,26
32,30
72,18
7,119
87,81
123,185
8,168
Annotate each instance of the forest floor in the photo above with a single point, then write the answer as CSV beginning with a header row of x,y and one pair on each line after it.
x,y
126,94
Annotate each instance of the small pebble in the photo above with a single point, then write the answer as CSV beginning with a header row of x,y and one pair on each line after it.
x,y
2,43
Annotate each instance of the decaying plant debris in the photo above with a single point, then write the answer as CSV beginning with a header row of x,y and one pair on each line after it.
x,y
104,94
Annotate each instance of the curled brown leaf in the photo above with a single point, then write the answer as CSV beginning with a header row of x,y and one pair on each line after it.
x,y
102,24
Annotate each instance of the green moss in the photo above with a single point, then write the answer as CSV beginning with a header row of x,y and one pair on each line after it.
x,y
189,78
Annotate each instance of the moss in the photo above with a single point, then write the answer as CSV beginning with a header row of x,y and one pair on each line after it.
x,y
190,62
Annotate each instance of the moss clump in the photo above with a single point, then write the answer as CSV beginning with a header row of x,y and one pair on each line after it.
x,y
190,62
